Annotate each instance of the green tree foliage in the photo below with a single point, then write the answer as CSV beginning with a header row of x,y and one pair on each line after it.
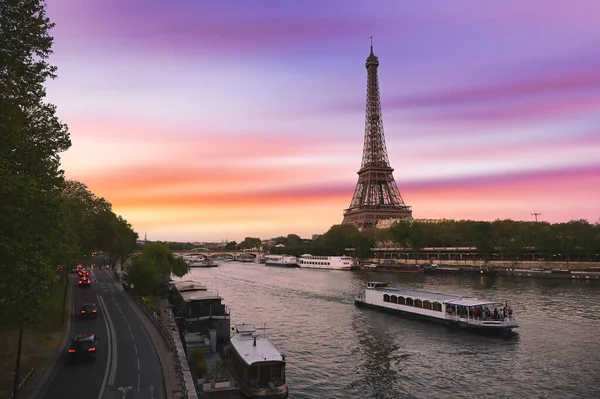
x,y
92,225
338,238
144,274
30,177
249,243
153,267
231,245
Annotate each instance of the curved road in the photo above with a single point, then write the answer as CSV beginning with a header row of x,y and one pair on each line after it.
x,y
126,365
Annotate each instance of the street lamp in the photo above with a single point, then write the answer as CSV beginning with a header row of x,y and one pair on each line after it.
x,y
535,214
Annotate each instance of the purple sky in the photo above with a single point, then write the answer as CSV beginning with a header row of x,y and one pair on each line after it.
x,y
219,120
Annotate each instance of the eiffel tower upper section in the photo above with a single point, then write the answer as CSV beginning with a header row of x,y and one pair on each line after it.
x,y
376,196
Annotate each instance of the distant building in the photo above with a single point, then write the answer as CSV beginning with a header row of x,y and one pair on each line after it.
x,y
386,224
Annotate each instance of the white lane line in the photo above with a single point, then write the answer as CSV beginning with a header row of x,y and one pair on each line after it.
x,y
113,370
135,347
103,386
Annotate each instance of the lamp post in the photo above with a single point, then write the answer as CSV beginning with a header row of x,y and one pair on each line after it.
x,y
535,214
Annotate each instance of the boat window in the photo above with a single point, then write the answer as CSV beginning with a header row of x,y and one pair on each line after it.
x,y
437,306
409,301
253,373
386,298
401,300
418,303
394,299
426,304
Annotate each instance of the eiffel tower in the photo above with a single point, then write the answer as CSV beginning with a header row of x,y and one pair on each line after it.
x,y
376,196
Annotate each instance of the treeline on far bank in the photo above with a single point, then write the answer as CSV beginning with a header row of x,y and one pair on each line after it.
x,y
575,239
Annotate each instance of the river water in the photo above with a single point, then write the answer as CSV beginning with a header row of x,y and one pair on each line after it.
x,y
336,350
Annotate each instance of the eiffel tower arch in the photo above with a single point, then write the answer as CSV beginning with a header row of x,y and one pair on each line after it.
x,y
376,196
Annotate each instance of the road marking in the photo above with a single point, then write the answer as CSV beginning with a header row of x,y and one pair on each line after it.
x,y
113,371
135,347
102,387
151,388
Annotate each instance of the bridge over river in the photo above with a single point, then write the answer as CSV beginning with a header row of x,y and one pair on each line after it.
x,y
221,253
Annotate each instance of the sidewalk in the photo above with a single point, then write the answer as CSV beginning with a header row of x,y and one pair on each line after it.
x,y
165,355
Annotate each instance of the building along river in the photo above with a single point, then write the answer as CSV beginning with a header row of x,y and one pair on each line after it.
x,y
335,350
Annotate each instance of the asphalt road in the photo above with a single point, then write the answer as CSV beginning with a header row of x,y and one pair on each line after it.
x,y
126,365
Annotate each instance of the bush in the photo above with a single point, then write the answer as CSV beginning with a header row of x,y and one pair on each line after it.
x,y
197,362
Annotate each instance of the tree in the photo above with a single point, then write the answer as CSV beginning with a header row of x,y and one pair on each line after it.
x,y
249,243
143,273
30,177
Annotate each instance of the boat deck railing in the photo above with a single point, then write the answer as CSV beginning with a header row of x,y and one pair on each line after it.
x,y
502,322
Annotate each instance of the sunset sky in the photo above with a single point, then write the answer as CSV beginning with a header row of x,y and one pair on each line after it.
x,y
211,120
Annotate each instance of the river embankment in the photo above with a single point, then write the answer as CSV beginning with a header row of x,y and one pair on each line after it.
x,y
498,264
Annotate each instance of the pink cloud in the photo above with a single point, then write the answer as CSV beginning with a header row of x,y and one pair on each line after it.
x,y
574,81
517,112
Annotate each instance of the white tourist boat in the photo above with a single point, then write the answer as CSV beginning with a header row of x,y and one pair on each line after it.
x,y
326,262
281,260
199,261
469,313
256,364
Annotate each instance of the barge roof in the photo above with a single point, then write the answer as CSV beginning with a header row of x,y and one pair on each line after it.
x,y
434,296
198,295
188,285
243,343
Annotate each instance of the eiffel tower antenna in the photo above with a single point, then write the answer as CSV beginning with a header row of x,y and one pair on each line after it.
x,y
376,196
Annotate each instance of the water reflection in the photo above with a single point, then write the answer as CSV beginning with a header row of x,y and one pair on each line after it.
x,y
336,350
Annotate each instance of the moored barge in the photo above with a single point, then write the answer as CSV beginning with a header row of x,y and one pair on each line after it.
x,y
256,364
453,310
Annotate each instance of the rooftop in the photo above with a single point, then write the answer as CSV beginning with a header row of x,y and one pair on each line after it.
x,y
198,295
188,285
243,341
434,296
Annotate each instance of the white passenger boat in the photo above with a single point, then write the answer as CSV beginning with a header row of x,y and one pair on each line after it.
x,y
199,261
325,262
256,364
281,260
469,313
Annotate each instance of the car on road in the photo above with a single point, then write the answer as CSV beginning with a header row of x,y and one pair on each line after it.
x,y
83,347
84,282
89,310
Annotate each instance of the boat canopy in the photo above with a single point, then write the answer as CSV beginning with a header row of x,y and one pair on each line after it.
x,y
473,302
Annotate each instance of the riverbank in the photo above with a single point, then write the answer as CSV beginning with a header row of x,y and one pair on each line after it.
x,y
498,264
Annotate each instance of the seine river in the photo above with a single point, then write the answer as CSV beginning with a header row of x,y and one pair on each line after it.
x,y
335,350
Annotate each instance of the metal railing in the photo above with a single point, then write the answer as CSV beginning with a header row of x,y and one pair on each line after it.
x,y
22,383
167,336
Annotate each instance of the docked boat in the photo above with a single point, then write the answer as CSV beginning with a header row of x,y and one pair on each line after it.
x,y
469,313
199,261
260,259
326,262
435,269
256,364
198,310
281,260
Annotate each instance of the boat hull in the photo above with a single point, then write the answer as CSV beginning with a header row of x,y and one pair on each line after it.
x,y
489,330
280,392
459,270
281,264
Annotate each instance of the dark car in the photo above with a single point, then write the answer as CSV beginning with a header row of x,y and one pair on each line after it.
x,y
89,310
84,282
83,347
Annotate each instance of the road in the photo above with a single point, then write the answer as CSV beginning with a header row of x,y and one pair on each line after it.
x,y
126,366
